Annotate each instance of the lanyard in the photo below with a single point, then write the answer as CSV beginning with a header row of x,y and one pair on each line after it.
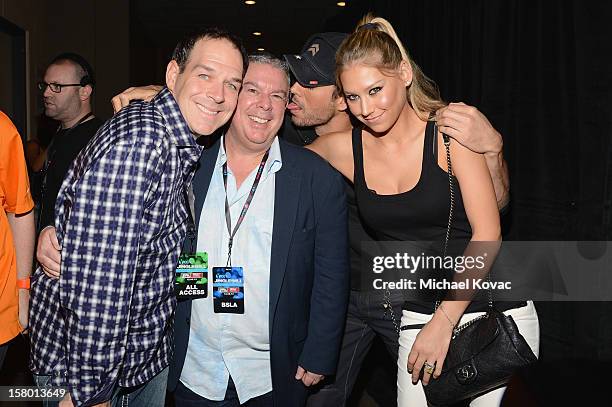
x,y
191,230
245,207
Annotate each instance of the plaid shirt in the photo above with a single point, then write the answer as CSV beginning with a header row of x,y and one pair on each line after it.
x,y
120,219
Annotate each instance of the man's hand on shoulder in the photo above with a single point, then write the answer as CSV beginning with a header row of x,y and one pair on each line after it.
x,y
308,378
48,252
135,93
470,127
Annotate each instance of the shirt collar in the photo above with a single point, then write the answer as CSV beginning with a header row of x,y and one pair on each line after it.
x,y
275,161
273,164
177,127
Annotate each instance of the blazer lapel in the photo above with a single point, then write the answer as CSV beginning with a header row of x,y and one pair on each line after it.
x,y
202,177
286,199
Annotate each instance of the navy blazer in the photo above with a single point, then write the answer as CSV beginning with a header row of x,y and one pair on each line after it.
x,y
309,271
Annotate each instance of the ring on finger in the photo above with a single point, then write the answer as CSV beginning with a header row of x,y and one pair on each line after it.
x,y
428,368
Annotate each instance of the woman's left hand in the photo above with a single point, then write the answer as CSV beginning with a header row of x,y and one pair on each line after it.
x,y
430,347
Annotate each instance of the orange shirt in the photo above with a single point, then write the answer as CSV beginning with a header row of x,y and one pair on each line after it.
x,y
15,198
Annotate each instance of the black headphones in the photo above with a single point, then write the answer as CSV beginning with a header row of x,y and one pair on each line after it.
x,y
88,79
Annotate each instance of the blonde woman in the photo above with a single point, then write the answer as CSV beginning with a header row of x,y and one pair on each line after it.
x,y
398,166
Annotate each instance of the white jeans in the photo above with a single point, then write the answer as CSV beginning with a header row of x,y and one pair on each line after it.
x,y
410,395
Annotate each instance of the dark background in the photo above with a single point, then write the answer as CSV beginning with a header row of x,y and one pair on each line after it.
x,y
541,71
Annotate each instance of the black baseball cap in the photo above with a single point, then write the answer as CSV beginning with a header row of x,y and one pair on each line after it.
x,y
316,63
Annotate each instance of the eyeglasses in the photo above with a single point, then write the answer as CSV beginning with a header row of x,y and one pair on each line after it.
x,y
55,87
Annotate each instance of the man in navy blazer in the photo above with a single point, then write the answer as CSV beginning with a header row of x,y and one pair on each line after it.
x,y
296,227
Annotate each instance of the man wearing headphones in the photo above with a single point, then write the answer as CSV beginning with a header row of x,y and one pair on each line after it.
x,y
66,89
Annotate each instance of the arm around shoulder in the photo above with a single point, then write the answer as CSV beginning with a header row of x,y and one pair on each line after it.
x,y
467,125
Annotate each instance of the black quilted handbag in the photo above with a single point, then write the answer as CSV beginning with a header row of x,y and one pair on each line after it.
x,y
483,353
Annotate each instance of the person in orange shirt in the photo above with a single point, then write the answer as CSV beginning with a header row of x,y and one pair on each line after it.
x,y
16,235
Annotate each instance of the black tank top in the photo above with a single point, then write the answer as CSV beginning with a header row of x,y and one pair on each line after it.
x,y
420,214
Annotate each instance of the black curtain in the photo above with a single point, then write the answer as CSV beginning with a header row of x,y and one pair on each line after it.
x,y
541,71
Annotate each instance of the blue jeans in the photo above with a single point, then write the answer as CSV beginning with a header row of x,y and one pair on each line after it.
x,y
183,397
44,381
149,394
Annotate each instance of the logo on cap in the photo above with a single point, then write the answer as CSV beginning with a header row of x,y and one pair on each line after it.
x,y
314,48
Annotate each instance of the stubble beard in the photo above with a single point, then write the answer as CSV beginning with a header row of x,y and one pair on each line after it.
x,y
312,119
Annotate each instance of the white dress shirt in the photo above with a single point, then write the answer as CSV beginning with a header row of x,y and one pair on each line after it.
x,y
221,345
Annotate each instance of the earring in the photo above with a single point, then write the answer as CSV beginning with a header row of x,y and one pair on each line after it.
x,y
408,83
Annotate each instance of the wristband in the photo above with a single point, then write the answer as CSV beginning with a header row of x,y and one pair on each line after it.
x,y
24,283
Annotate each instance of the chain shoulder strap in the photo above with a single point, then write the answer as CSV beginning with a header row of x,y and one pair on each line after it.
x,y
387,298
451,212
451,187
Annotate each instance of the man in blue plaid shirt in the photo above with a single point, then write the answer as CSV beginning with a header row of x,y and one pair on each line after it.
x,y
102,325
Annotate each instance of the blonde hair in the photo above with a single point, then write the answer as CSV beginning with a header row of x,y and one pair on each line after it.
x,y
374,42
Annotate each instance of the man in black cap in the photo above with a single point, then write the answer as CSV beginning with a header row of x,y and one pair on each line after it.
x,y
316,107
